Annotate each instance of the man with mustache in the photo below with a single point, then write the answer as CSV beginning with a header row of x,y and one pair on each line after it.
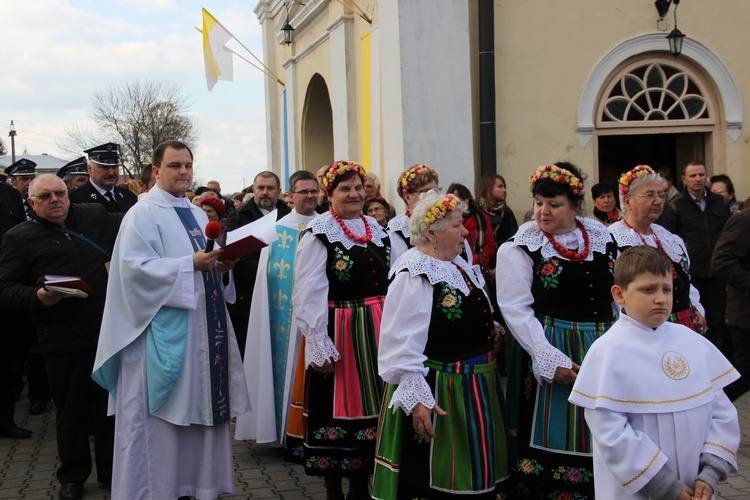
x,y
66,240
104,172
266,191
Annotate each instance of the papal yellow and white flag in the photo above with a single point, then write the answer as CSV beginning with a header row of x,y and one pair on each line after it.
x,y
217,56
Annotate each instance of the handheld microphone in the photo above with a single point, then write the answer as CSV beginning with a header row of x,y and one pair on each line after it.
x,y
213,231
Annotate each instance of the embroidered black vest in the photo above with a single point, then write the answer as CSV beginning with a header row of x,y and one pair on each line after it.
x,y
358,272
460,326
573,291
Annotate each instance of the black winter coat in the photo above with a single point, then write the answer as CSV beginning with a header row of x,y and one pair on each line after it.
x,y
33,248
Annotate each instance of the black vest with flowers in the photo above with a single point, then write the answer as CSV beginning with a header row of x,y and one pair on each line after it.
x,y
460,326
573,291
356,273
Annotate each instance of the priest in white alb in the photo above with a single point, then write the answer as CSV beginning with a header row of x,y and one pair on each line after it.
x,y
167,353
273,340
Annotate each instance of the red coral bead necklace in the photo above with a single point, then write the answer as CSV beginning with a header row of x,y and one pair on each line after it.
x,y
367,238
658,244
568,253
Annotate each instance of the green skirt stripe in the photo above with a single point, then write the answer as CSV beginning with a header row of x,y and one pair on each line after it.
x,y
468,456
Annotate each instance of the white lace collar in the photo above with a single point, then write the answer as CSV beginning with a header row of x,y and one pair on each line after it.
x,y
400,223
530,236
627,237
326,224
437,271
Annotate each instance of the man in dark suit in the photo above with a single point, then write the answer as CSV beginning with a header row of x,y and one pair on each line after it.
x,y
697,216
74,173
21,173
266,191
731,263
104,171
11,345
65,240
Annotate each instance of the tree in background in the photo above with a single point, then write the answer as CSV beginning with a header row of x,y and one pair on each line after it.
x,y
3,151
138,115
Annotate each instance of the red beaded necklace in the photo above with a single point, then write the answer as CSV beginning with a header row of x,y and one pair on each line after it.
x,y
367,238
658,244
566,252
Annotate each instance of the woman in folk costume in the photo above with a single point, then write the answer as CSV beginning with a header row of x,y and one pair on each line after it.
x,y
642,198
553,282
441,432
341,277
412,182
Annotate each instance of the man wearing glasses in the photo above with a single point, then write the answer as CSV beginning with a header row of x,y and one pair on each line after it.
x,y
104,172
270,362
66,240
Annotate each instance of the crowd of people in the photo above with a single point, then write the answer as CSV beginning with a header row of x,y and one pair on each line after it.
x,y
445,352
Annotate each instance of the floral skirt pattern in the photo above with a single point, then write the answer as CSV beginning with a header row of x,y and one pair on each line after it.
x,y
467,459
550,441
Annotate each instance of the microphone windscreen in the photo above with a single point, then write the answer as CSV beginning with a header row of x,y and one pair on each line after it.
x,y
213,230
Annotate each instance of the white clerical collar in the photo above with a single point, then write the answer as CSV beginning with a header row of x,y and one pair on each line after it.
x,y
175,201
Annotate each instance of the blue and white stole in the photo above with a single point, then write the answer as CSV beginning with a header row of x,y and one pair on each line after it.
x,y
217,330
280,283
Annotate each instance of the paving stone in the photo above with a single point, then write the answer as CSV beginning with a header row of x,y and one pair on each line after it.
x,y
263,493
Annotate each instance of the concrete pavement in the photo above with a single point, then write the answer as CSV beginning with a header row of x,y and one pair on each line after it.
x,y
27,466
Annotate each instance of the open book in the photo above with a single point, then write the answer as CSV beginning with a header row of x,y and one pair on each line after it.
x,y
69,285
250,237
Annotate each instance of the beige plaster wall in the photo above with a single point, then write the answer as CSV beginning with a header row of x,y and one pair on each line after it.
x,y
545,52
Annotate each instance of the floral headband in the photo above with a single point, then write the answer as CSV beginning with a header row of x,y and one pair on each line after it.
x,y
632,175
412,173
441,208
557,174
340,168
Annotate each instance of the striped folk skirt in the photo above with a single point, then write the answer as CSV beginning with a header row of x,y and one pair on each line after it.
x,y
685,317
340,413
550,441
468,457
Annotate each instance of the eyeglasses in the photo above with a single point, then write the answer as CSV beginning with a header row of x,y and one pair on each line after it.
x,y
720,191
62,193
653,195
424,190
375,209
308,192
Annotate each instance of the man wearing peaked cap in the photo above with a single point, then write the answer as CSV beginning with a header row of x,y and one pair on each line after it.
x,y
74,173
21,174
104,172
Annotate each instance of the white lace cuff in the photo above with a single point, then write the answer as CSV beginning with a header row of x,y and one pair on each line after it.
x,y
318,348
544,361
413,389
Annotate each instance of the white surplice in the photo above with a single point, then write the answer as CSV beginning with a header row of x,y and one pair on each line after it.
x,y
174,450
654,397
260,423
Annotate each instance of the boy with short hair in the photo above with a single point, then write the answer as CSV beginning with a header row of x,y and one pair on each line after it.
x,y
661,424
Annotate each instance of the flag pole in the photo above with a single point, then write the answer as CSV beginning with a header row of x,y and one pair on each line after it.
x,y
265,71
243,46
361,13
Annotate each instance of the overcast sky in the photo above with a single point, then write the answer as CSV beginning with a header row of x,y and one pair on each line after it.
x,y
57,53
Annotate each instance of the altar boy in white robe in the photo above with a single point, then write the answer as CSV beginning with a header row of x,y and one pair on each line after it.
x,y
653,392
167,353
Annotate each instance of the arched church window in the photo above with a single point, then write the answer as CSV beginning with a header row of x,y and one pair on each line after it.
x,y
655,92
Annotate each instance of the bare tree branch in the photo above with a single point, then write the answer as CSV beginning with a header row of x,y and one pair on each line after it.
x,y
138,115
